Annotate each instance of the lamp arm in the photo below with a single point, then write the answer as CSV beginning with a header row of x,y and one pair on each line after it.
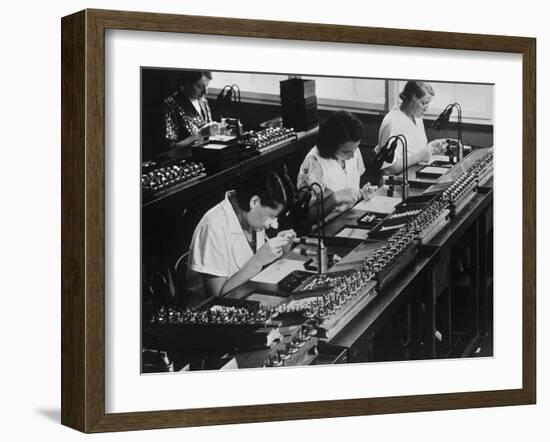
x,y
405,184
403,139
386,146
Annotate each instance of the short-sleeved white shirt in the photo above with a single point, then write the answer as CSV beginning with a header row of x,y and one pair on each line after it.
x,y
329,174
219,246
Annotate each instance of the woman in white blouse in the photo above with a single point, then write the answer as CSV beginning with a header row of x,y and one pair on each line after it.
x,y
336,164
406,119
229,245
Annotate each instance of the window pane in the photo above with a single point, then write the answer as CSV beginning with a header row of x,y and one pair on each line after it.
x,y
476,100
260,83
373,90
350,89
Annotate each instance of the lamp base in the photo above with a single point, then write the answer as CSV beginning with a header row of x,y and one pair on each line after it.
x,y
405,189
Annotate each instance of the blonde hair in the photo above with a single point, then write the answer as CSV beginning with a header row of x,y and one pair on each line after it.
x,y
416,89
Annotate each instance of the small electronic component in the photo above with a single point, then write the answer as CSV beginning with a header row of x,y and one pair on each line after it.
x,y
371,219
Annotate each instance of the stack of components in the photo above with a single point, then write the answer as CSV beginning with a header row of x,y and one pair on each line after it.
x,y
154,178
299,104
266,139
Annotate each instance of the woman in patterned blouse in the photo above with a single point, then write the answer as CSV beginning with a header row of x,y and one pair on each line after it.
x,y
187,116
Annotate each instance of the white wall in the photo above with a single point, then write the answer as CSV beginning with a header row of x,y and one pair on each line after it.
x,y
30,231
369,94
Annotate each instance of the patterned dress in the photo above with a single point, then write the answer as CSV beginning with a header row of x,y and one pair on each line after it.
x,y
181,118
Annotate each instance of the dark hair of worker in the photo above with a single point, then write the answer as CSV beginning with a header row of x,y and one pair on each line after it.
x,y
190,77
269,186
339,128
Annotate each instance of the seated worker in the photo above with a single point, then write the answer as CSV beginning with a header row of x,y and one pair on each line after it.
x,y
187,116
229,245
406,119
336,165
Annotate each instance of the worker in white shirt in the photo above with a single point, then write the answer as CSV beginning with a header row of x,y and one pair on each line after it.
x,y
406,119
336,165
229,245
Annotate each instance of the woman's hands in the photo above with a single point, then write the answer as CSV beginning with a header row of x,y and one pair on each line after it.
x,y
438,147
347,196
271,250
209,129
367,192
290,236
351,196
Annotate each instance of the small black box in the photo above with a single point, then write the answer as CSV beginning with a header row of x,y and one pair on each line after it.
x,y
296,87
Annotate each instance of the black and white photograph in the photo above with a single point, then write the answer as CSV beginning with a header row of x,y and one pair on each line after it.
x,y
290,219
244,221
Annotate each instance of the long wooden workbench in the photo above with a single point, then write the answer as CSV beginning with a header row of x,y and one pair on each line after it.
x,y
448,312
426,279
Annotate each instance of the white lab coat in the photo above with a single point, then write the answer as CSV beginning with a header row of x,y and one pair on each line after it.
x,y
219,246
396,122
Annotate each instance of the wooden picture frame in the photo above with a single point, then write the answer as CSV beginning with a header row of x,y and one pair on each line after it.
x,y
83,219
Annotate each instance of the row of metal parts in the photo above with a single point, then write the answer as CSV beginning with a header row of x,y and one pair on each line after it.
x,y
345,287
269,136
212,316
340,289
470,178
164,177
428,215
